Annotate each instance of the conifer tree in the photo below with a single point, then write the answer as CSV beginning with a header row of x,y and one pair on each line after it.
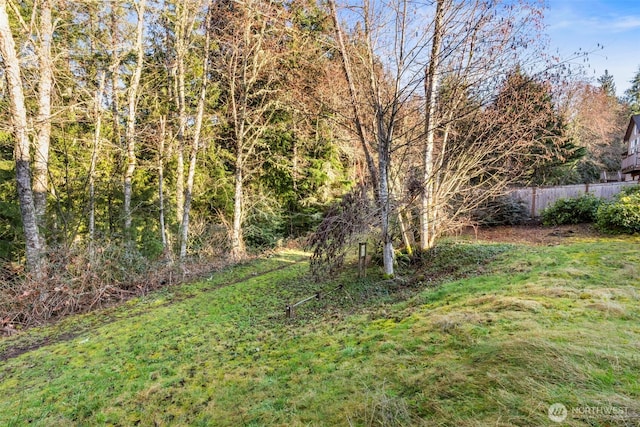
x,y
632,95
607,84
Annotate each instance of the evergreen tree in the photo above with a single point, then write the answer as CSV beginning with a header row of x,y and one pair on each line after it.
x,y
607,84
632,95
527,104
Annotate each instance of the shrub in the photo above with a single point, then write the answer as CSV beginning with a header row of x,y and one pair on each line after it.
x,y
345,221
621,215
629,190
572,211
503,210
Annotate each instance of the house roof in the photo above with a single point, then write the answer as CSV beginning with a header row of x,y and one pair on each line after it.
x,y
634,120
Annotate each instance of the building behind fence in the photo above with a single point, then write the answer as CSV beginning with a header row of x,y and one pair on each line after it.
x,y
538,198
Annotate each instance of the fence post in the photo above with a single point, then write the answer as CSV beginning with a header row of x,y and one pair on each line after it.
x,y
533,202
290,312
362,260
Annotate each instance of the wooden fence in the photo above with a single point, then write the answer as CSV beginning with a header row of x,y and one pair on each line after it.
x,y
538,198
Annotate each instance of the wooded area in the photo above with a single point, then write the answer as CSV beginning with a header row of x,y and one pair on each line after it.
x,y
142,136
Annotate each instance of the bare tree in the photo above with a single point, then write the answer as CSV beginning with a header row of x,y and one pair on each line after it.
x,y
43,121
185,18
598,122
248,45
386,88
358,114
475,45
161,204
34,244
130,134
195,145
114,65
460,52
431,92
97,136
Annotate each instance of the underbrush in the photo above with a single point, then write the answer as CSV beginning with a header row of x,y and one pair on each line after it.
x,y
502,210
79,281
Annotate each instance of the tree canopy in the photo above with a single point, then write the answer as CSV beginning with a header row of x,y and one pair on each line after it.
x,y
187,131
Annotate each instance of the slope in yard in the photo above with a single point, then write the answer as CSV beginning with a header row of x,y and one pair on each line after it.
x,y
533,327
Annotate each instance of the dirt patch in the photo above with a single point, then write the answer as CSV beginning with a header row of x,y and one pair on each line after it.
x,y
22,348
532,234
494,303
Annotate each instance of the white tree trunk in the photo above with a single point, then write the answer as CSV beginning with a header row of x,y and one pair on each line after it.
x,y
34,245
115,101
97,115
237,242
385,210
131,119
182,127
194,149
180,184
161,144
428,206
406,238
43,121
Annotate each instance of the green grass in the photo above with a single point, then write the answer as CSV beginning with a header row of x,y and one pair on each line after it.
x,y
504,332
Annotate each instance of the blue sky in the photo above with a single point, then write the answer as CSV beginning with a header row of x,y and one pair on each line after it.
x,y
615,24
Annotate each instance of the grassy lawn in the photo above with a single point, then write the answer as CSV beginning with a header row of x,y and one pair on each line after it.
x,y
486,335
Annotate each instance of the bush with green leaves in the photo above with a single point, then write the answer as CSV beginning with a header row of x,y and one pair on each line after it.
x,y
577,210
622,215
629,190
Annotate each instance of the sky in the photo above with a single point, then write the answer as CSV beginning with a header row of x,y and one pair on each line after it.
x,y
583,24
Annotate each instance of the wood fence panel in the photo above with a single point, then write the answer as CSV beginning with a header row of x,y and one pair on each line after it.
x,y
538,198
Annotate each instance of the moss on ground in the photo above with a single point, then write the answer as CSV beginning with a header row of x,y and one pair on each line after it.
x,y
504,332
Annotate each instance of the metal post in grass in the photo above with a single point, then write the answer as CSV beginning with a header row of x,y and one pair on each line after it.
x,y
290,309
362,259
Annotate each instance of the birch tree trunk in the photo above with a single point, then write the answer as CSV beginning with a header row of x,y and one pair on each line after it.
x,y
427,206
115,107
195,147
237,242
43,121
385,211
182,124
131,119
244,62
161,149
186,11
97,115
34,246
